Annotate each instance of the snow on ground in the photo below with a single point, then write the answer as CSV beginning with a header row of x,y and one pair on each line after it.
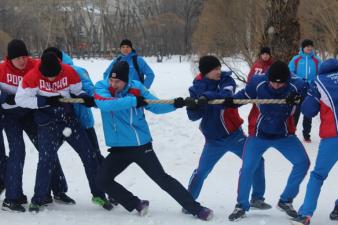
x,y
178,144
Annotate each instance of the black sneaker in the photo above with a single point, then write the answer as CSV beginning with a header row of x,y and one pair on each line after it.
x,y
112,201
301,220
142,207
34,207
64,198
12,206
48,200
334,213
205,214
259,204
23,199
287,208
237,214
102,202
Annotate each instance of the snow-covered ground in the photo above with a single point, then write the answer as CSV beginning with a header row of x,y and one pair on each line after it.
x,y
178,144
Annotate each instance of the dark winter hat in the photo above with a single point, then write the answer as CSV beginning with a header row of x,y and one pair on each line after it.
x,y
265,50
55,50
16,48
50,65
120,71
279,72
208,63
126,42
306,42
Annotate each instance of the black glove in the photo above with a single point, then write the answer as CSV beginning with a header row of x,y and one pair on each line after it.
x,y
190,103
10,100
201,101
53,100
88,101
140,102
293,98
179,102
229,102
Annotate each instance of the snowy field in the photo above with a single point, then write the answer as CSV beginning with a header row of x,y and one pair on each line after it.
x,y
178,144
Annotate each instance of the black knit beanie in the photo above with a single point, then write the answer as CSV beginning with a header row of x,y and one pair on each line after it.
x,y
50,65
55,50
120,71
16,48
265,50
208,63
279,72
306,42
126,42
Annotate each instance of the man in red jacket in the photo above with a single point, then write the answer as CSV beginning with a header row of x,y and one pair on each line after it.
x,y
260,67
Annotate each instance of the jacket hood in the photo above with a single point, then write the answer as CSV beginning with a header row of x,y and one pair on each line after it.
x,y
66,59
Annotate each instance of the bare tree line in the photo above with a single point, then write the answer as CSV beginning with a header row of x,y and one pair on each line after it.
x,y
163,28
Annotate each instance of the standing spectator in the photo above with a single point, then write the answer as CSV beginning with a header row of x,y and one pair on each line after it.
x,y
122,103
41,89
17,120
220,126
322,98
274,129
305,65
138,68
260,67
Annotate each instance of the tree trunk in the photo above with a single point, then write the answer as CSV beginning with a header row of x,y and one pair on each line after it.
x,y
282,30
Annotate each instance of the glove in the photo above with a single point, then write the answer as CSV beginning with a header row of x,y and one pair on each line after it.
x,y
190,103
293,98
179,102
229,102
88,101
10,100
203,100
140,102
53,100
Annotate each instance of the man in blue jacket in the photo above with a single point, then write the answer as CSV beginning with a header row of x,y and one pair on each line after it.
x,y
322,98
139,69
305,65
274,129
122,103
220,126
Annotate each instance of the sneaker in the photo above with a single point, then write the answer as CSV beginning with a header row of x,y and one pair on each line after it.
x,y
102,202
259,204
12,206
287,208
112,201
33,207
142,207
184,211
23,199
205,214
64,198
334,213
301,220
237,214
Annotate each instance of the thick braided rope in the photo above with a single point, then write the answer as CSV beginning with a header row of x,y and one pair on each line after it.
x,y
212,102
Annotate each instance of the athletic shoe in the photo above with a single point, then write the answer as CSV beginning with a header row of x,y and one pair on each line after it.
x,y
12,206
205,214
301,220
259,204
287,208
237,214
102,202
64,198
334,213
142,207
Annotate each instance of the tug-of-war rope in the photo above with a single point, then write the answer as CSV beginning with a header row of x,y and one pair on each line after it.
x,y
212,102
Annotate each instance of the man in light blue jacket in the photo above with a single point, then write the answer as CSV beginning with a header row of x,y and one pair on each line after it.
x,y
305,65
138,68
122,102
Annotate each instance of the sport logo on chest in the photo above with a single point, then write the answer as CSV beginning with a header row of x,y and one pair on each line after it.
x,y
13,79
53,86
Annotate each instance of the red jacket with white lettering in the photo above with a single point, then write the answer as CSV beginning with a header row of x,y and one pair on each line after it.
x,y
10,77
35,87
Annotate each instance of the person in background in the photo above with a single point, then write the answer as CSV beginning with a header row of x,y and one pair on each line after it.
x,y
305,66
138,68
